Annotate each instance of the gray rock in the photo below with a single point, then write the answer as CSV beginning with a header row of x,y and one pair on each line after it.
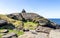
x,y
15,16
10,35
54,33
43,29
27,35
42,35
25,30
4,31
3,22
31,35
33,32
43,22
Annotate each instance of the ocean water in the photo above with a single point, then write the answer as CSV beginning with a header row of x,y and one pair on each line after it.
x,y
55,20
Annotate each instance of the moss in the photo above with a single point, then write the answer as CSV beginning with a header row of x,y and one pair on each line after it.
x,y
30,25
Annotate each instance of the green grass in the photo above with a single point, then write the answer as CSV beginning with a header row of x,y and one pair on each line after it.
x,y
30,25
14,31
0,35
17,32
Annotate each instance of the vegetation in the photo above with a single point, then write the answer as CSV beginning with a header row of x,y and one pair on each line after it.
x,y
17,23
14,31
30,25
17,32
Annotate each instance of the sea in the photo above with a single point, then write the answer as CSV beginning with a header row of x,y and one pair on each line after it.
x,y
56,20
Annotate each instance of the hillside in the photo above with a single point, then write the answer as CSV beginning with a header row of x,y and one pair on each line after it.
x,y
21,22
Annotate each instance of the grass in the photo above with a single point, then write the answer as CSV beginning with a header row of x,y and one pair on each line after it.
x,y
17,23
30,25
0,35
14,31
17,32
14,22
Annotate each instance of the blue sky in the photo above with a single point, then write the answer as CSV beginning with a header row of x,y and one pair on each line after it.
x,y
45,8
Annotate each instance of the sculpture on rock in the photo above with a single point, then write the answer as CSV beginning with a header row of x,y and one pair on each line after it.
x,y
23,11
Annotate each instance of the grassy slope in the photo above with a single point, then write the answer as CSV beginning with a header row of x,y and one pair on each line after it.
x,y
12,21
16,23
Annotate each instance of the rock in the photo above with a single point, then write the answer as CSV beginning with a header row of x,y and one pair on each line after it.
x,y
15,16
43,29
27,35
54,33
42,21
33,31
25,30
31,35
56,26
3,22
42,35
4,31
24,16
29,16
23,11
10,35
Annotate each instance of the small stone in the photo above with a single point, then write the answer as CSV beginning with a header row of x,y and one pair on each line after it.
x,y
25,30
4,31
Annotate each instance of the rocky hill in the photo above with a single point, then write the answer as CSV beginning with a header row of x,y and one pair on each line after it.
x,y
24,23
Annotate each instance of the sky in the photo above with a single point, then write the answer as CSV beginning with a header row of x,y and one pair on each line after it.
x,y
45,8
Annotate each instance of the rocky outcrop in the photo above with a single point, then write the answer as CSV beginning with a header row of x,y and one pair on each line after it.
x,y
24,16
33,18
44,29
31,35
15,16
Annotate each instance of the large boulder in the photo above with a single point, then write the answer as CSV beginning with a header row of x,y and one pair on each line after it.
x,y
54,33
29,16
43,22
42,35
10,35
27,35
33,17
3,22
15,16
32,35
43,29
54,25
24,16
